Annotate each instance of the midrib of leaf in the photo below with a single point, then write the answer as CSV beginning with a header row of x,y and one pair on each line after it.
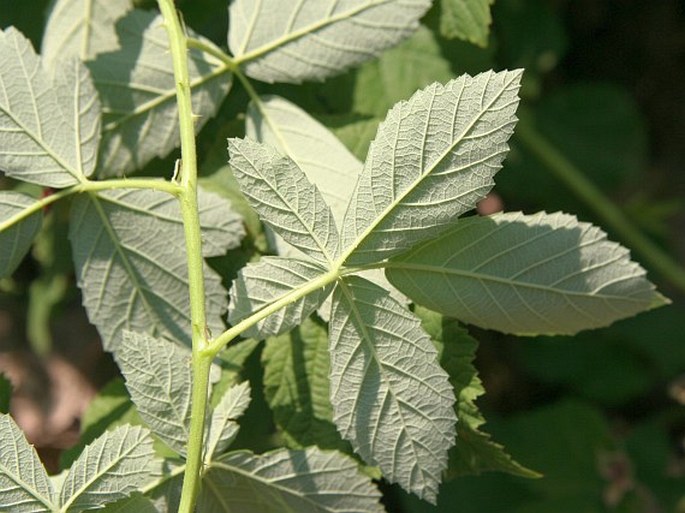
x,y
367,337
398,199
169,95
87,27
138,288
508,281
283,40
77,124
22,484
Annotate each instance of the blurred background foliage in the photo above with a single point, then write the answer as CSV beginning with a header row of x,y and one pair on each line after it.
x,y
601,415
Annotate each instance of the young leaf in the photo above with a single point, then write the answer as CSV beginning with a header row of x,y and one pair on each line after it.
x,y
283,481
296,367
158,377
24,483
268,280
546,273
81,28
474,452
130,262
223,427
50,125
285,198
433,158
138,91
297,40
390,397
466,19
16,240
328,164
110,469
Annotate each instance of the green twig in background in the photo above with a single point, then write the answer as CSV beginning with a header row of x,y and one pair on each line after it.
x,y
604,208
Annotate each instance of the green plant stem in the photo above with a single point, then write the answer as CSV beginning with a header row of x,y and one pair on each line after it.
x,y
191,224
603,207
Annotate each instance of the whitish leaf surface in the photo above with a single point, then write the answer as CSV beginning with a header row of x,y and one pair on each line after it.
x,y
24,483
296,40
271,279
138,92
223,427
546,273
158,377
466,19
134,504
81,28
130,261
50,125
390,397
284,197
111,468
296,386
327,163
310,481
16,240
434,157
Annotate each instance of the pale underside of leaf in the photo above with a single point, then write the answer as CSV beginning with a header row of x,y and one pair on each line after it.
x,y
466,19
134,504
297,40
81,28
223,426
270,279
24,483
111,468
138,91
285,198
129,252
327,163
158,377
16,240
390,396
433,159
545,273
50,125
286,481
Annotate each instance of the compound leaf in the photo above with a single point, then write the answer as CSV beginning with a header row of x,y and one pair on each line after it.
x,y
466,19
138,91
223,427
296,386
270,279
296,40
284,197
327,163
545,273
390,397
433,158
16,240
50,125
129,253
287,481
111,468
24,483
81,28
158,377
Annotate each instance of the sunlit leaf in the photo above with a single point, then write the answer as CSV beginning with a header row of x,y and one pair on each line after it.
x,y
130,261
434,157
160,386
286,481
50,125
223,427
545,273
16,240
81,28
271,279
296,40
466,19
109,469
138,92
390,397
24,483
